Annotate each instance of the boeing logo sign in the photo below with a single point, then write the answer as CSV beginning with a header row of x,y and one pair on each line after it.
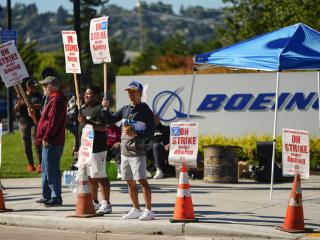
x,y
261,102
169,105
231,104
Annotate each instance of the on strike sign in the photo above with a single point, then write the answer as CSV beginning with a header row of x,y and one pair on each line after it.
x,y
85,151
71,51
295,152
98,37
12,68
183,143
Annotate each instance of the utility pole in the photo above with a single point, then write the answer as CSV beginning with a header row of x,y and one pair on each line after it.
x,y
77,27
141,36
10,89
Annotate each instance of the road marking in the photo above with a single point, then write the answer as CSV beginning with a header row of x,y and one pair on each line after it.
x,y
313,235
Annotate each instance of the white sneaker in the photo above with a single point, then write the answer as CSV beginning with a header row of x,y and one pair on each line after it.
x,y
119,175
148,174
133,214
158,175
105,208
147,215
96,205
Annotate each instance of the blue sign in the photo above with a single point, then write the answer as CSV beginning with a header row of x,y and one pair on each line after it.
x,y
8,35
175,131
104,25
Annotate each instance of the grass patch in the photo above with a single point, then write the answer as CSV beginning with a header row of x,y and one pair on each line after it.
x,y
14,161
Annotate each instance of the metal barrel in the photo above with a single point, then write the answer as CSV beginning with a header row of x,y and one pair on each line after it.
x,y
221,164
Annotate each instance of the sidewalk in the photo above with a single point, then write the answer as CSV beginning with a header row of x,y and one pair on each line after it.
x,y
242,210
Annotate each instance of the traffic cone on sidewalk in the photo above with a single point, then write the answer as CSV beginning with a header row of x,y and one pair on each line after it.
x,y
183,210
294,220
84,206
2,204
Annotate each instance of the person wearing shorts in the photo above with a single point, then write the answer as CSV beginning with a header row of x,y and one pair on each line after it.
x,y
96,169
137,125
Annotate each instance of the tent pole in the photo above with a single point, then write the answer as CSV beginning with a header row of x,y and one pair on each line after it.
x,y
191,93
318,73
274,134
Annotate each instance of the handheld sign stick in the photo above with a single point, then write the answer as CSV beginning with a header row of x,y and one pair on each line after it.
x,y
77,90
105,78
25,99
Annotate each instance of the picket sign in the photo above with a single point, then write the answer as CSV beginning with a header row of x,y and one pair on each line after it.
x,y
99,46
183,143
72,59
295,153
12,68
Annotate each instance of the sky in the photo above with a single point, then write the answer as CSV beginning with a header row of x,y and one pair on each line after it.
x,y
52,5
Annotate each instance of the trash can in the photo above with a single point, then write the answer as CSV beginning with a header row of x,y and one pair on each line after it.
x,y
221,163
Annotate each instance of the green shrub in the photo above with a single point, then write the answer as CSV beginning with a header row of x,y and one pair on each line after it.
x,y
248,145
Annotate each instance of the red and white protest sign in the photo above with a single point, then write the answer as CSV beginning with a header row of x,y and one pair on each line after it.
x,y
98,37
295,152
12,68
85,151
183,143
71,51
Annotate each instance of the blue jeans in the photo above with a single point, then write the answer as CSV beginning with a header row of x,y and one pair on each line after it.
x,y
51,174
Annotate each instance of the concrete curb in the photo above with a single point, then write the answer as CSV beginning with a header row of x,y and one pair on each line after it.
x,y
94,225
156,227
230,230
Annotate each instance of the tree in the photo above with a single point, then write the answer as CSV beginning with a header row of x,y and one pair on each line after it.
x,y
29,56
248,18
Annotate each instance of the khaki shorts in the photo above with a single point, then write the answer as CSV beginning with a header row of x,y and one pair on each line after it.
x,y
133,168
97,165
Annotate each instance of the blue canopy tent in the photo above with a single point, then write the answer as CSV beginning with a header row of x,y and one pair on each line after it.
x,y
296,47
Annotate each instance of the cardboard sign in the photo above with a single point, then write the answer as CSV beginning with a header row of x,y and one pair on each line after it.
x,y
12,68
71,51
295,152
98,37
183,143
85,151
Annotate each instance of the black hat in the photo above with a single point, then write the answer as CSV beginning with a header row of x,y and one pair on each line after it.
x,y
48,72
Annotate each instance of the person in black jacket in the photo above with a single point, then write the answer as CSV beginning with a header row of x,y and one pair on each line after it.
x,y
137,126
158,148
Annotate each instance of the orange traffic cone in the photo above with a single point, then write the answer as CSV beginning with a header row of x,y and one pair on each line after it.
x,y
183,210
84,206
2,204
294,220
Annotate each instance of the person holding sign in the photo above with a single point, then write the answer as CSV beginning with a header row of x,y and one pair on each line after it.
x,y
91,114
26,124
51,136
137,125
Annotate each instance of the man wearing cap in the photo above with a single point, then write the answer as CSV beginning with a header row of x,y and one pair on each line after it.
x,y
26,124
51,136
137,125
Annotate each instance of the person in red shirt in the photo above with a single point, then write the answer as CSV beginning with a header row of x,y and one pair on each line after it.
x,y
113,145
51,136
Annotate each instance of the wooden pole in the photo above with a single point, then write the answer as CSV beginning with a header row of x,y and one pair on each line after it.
x,y
25,99
105,80
77,90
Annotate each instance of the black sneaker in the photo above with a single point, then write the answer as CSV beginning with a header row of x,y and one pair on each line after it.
x,y
53,202
42,201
